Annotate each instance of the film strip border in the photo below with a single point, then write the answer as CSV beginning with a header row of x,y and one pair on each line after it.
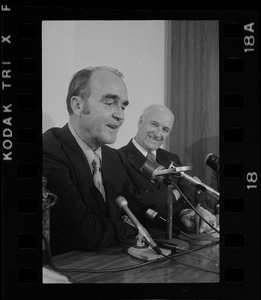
x,y
239,150
21,141
21,146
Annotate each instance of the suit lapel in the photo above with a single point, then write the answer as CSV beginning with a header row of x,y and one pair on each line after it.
x,y
112,179
81,168
162,159
135,157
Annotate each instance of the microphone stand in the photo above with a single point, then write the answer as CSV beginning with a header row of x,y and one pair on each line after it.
x,y
198,193
217,205
216,211
157,173
189,238
169,211
169,242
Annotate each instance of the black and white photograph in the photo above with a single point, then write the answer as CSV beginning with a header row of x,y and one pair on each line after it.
x,y
152,118
130,153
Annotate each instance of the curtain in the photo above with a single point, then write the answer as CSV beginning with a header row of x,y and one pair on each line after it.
x,y
193,94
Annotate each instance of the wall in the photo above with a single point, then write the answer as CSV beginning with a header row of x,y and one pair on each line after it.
x,y
136,48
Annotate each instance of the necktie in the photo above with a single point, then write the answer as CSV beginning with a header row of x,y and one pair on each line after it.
x,y
97,177
151,156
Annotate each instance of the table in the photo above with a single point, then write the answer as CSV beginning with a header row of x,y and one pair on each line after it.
x,y
161,271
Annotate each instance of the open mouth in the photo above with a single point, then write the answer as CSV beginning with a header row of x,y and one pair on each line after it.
x,y
114,127
153,139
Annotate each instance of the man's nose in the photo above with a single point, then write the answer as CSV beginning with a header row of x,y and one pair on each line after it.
x,y
157,132
118,114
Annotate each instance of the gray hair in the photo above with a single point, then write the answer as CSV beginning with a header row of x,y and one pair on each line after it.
x,y
161,107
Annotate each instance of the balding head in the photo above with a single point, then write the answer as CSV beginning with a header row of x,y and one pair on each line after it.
x,y
80,83
98,106
154,126
158,109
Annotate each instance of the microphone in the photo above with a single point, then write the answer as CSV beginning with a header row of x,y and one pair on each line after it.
x,y
123,204
154,171
150,168
152,215
212,161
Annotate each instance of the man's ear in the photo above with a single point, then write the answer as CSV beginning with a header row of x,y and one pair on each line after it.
x,y
77,105
140,121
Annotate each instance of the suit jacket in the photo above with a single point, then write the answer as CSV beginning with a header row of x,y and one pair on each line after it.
x,y
152,194
81,219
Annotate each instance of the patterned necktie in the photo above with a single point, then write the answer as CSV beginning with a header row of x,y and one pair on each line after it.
x,y
151,156
97,177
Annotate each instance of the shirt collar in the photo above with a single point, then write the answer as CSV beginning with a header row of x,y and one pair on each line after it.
x,y
141,149
85,148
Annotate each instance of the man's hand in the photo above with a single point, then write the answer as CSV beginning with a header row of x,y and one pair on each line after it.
x,y
188,219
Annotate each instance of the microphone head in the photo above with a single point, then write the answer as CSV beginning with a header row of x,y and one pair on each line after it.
x,y
121,201
150,214
150,168
207,157
212,161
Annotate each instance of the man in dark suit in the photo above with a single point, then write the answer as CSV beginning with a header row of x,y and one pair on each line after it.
x,y
154,126
86,216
